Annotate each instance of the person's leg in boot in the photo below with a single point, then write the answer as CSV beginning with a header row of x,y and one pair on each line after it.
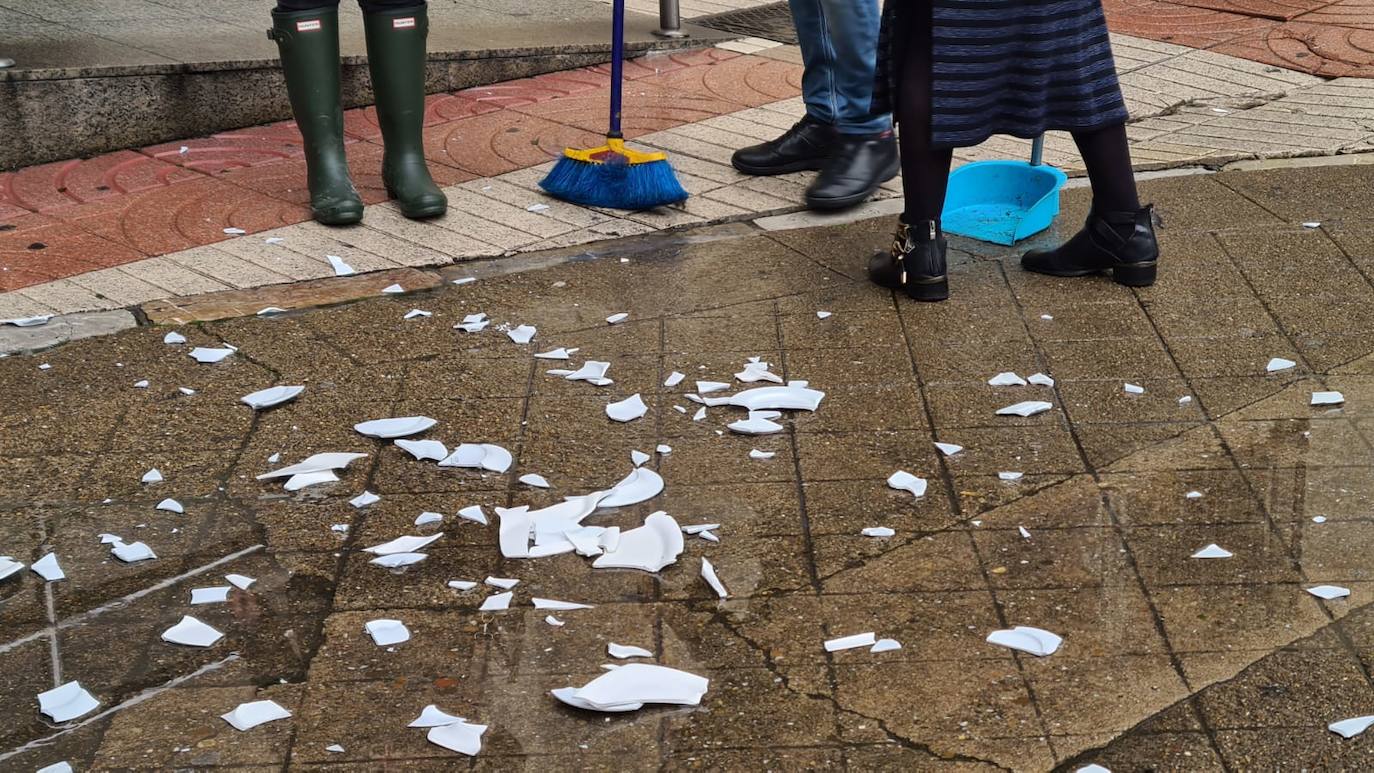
x,y
396,59
916,263
1119,235
810,143
308,39
866,155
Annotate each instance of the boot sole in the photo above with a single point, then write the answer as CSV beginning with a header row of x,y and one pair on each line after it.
x,y
928,290
344,218
807,165
834,205
427,212
1127,276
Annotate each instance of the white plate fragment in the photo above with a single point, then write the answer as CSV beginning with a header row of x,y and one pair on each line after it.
x,y
700,415
1329,592
191,633
266,398
386,632
1025,409
186,390
464,280
423,449
46,567
1193,495
674,379
1277,364
949,449
504,583
173,338
433,716
473,513
171,506
307,479
1006,378
617,318
393,289
640,485
708,573
665,450
340,267
208,356
822,314
484,456
364,499
56,767
553,621
707,387
629,409
793,397
1036,641
394,428
426,518
67,702
334,748
271,311
1093,768
497,602
1040,379
462,737
1134,389
756,424
632,685
757,454
1327,398
905,481
650,547
623,651
41,319
415,313
315,463
885,645
407,544
463,585
1023,532
216,595
132,552
1312,224
1213,551
232,231
554,354
141,384
639,458
698,528
537,481
242,582
473,323
514,534
398,560
866,639
1318,519
1349,728
556,605
1010,475
247,716
522,334
152,476
878,531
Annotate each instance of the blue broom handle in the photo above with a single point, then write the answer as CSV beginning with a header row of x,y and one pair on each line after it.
x,y
617,63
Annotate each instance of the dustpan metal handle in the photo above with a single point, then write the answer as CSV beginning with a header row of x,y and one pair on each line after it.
x,y
1038,151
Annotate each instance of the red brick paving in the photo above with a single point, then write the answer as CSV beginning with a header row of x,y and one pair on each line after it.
x,y
1279,10
1179,24
1320,49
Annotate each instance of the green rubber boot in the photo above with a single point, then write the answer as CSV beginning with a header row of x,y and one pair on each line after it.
x,y
309,46
396,58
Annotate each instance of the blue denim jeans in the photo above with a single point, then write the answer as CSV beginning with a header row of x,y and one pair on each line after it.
x,y
839,46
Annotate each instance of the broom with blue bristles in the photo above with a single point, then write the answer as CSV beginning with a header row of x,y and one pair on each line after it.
x,y
614,175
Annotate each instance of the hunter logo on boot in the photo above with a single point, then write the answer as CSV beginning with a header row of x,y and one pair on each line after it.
x,y
403,24
309,25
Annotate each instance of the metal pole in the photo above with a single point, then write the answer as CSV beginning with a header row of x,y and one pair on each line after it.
x,y
669,20
1038,151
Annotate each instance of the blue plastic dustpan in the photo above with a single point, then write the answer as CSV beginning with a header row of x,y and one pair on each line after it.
x,y
1003,201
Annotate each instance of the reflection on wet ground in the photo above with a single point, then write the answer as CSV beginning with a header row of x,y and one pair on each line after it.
x,y
1167,662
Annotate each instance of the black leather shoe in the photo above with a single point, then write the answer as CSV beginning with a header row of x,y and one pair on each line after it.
x,y
916,262
861,163
1120,242
807,145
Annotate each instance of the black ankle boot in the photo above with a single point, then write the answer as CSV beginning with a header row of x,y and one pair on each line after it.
x,y
1120,242
916,262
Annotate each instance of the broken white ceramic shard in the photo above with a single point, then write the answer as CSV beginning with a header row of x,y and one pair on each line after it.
x,y
315,463
850,642
334,748
45,366
674,379
206,355
755,425
757,454
461,584
171,506
522,334
464,280
638,458
793,397
1040,379
504,583
1093,768
216,595
191,633
473,513
700,415
247,716
274,458
433,716
617,318
423,449
1349,728
393,289
1134,389
636,684
497,602
1278,363
708,573
473,323
1024,534
340,267
1327,398
758,371
398,560
394,428
623,651
698,528
536,481
266,398
665,450
1318,519
629,409
107,539
1027,408
1184,400
514,531
141,384
554,354
878,531
1312,224
592,371
232,231
186,390
364,499
1009,475
339,528
56,767
949,449
41,319
45,567
271,311
386,632
133,552
885,645
1213,551
553,621
462,737
242,582
650,547
822,314
556,605
405,544
1193,495
1035,641
495,458
152,476
174,338
305,479
640,485
1327,592
709,536
1006,378
568,695
414,313
426,518
905,481
707,387
66,702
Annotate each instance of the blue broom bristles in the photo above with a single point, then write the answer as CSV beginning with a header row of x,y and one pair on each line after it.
x,y
614,184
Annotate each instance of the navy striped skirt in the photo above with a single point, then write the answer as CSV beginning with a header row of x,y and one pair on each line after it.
x,y
1018,67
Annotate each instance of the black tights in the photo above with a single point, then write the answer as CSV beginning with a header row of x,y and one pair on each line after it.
x,y
925,169
368,6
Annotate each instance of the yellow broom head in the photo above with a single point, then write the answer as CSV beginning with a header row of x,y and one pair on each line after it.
x,y
613,152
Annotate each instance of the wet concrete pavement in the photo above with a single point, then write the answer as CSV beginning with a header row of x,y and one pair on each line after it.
x,y
1168,663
